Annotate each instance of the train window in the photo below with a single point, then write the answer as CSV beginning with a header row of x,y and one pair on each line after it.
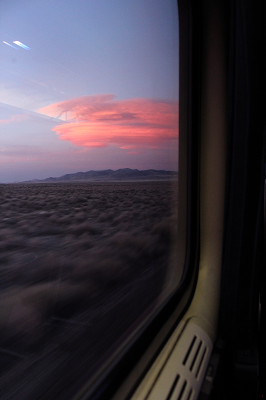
x,y
89,114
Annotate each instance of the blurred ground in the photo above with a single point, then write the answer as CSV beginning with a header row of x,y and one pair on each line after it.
x,y
79,263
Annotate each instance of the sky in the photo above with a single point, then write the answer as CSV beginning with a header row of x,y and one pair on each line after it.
x,y
87,85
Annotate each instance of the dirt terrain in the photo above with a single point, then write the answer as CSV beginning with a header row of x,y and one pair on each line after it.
x,y
79,264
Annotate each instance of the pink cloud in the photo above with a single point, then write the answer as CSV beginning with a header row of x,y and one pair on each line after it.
x,y
100,121
14,118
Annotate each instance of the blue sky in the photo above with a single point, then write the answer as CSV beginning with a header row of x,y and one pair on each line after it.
x,y
97,89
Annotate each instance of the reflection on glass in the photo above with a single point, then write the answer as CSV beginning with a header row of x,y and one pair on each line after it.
x,y
84,86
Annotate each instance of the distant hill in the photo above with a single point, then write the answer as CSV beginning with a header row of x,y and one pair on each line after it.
x,y
124,174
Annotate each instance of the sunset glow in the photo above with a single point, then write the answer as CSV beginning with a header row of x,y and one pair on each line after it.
x,y
98,121
14,118
92,85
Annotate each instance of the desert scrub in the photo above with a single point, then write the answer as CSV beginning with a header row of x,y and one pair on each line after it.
x,y
84,227
102,268
133,249
166,230
25,310
97,235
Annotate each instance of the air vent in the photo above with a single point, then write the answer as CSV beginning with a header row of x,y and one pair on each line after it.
x,y
180,390
173,388
189,350
195,355
181,376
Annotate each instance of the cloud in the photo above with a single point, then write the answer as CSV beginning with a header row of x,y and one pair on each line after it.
x,y
14,118
25,153
101,120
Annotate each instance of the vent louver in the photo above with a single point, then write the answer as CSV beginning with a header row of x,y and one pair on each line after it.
x,y
181,376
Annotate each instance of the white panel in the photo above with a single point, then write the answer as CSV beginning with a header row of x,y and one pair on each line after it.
x,y
174,367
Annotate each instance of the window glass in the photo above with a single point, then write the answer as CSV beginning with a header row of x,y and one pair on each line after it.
x,y
88,181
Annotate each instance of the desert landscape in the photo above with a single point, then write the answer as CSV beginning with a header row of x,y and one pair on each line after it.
x,y
79,263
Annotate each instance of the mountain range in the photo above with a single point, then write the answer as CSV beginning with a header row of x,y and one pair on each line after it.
x,y
123,174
